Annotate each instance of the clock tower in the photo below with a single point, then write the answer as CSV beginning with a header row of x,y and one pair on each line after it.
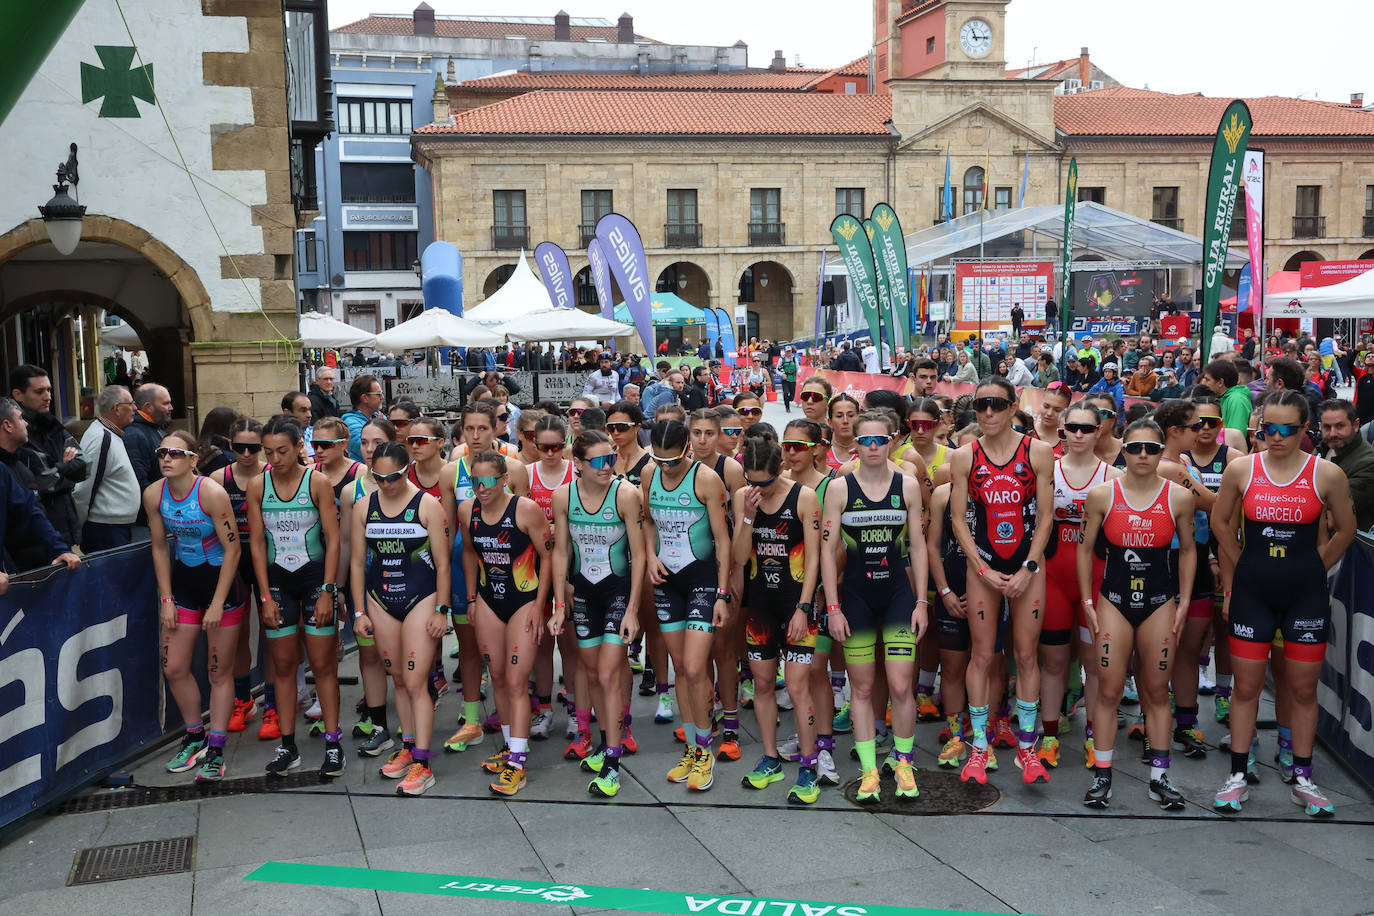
x,y
941,39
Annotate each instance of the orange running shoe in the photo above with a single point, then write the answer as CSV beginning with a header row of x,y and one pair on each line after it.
x,y
509,781
729,746
1032,770
1002,735
244,712
418,779
397,764
926,710
497,762
628,742
269,729
580,749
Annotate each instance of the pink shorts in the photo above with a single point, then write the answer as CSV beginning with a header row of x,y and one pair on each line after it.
x,y
1200,609
233,616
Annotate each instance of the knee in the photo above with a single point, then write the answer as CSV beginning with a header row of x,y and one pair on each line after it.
x,y
1156,695
610,679
1304,694
693,671
1027,658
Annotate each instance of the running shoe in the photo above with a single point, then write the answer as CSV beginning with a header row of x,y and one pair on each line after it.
x,y
314,712
580,748
1251,768
870,787
952,753
1311,799
992,760
363,728
889,764
376,742
729,746
826,773
438,685
1137,730
1205,685
594,763
316,728
304,695
1089,758
244,711
541,725
1223,709
360,707
417,779
607,784
1190,740
469,734
905,774
628,742
190,754
647,684
766,772
1284,758
269,729
807,790
1162,790
842,723
1099,794
1120,717
746,694
784,699
790,749
212,770
1002,735
1049,752
977,767
1232,792
492,723
926,710
509,781
334,762
497,762
883,740
684,766
283,761
397,764
570,729
1129,695
664,713
1145,751
1032,770
700,778
636,664
680,734
1071,700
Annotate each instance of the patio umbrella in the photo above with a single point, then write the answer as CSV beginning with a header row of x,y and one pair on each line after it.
x,y
669,311
563,324
437,328
318,330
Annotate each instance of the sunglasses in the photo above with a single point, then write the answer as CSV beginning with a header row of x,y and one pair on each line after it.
x,y
1281,430
1143,447
796,445
768,482
247,448
1016,427
1106,413
1057,386
873,441
923,426
174,453
1195,427
318,444
485,481
750,411
400,424
389,478
550,448
994,404
731,430
601,462
811,397
575,411
619,427
668,462
528,435
421,440
1209,422
503,417
1083,429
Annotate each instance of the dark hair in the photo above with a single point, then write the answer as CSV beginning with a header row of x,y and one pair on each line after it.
x,y
550,423
705,414
813,429
760,453
585,440
22,374
405,406
245,425
548,406
493,458
1288,397
998,381
1287,370
1224,371
924,362
1083,407
478,407
669,412
840,399
880,398
1343,406
435,426
1146,424
1137,411
283,424
760,431
1023,418
926,406
361,386
874,416
742,397
1244,368
384,425
629,409
393,450
1173,412
668,435
215,431
592,418
289,399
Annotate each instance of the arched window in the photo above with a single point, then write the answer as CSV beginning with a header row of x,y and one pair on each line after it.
x,y
973,189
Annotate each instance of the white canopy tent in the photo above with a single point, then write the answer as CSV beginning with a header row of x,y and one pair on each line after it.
x,y
1352,299
120,335
563,324
319,330
436,328
521,294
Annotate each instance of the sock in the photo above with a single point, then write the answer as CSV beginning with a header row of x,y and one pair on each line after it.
x,y
1239,761
978,718
730,720
518,749
505,734
879,731
808,762
289,741
408,743
1026,714
925,682
625,717
613,758
1285,736
243,689
660,688
1204,660
1102,759
1302,767
955,723
195,732
903,747
837,682
472,712
269,696
378,716
545,704
333,737
584,721
1159,765
216,741
420,755
1051,727
825,743
1088,729
868,754
1224,685
1185,716
703,738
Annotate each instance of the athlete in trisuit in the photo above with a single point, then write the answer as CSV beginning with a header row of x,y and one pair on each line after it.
x,y
507,570
1007,481
777,526
624,423
198,589
688,545
873,515
1136,609
842,411
400,570
598,520
1276,502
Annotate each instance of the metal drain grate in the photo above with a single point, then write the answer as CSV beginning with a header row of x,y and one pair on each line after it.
x,y
941,793
132,860
111,799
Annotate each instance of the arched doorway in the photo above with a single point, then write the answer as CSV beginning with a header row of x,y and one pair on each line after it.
x,y
585,290
1296,261
765,290
496,279
1367,256
686,280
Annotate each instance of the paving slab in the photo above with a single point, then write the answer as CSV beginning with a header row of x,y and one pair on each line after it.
x,y
932,887
223,890
250,829
164,894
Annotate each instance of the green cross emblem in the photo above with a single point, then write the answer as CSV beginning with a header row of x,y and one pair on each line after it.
x,y
117,82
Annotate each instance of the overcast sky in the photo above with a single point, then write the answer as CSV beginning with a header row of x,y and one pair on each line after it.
x,y
1218,47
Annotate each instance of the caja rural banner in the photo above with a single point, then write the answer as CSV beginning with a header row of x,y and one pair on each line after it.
x,y
884,297
80,683
1224,184
557,274
889,259
852,240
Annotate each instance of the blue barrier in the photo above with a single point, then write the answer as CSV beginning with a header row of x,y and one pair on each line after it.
x,y
80,684
1346,688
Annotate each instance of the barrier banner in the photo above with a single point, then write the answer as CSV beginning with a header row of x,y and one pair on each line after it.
x,y
80,683
857,384
1346,687
561,387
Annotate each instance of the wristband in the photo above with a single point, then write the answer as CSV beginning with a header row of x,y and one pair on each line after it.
x,y
472,599
921,601
359,615
559,606
981,571
946,591
1226,594
722,595
168,599
1087,603
833,609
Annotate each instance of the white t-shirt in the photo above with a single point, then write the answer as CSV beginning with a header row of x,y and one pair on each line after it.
x,y
870,356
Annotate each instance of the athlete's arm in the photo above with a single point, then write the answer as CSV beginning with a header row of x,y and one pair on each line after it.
x,y
1235,440
1203,498
1094,511
432,514
711,491
448,498
934,543
470,558
530,517
809,508
162,556
357,561
257,538
734,475
323,495
960,463
1226,518
346,536
836,495
632,514
745,507
216,504
562,551
657,571
518,480
917,557
1042,462
1182,507
1335,490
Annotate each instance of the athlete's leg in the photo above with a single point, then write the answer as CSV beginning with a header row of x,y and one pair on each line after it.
x,y
984,608
1157,655
322,650
1115,642
492,634
542,671
1054,675
469,666
520,654
797,677
418,649
610,687
1185,671
1300,691
694,680
372,674
766,701
1027,621
284,657
899,670
221,643
1249,684
386,630
177,646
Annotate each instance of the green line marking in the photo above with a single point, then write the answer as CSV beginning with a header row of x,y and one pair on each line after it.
x,y
586,896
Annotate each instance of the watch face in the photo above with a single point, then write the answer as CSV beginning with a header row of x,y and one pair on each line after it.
x,y
975,38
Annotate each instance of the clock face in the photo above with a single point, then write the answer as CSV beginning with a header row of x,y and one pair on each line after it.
x,y
975,38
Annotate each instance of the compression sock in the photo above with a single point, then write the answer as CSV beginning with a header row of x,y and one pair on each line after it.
x,y
289,741
729,720
1050,726
978,718
505,734
1285,736
625,717
903,747
1240,760
868,755
472,712
243,689
1026,714
269,696
584,721
216,741
925,682
1185,716
1159,765
1102,759
378,716
612,758
332,739
518,749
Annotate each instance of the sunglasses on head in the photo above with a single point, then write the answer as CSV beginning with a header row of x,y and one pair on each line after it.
x,y
246,448
619,427
797,445
1143,446
389,478
995,404
811,397
923,426
750,411
873,441
1281,430
601,462
550,448
421,440
166,452
318,444
1083,429
485,481
732,430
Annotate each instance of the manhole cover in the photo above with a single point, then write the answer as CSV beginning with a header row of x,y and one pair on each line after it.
x,y
941,793
131,860
111,799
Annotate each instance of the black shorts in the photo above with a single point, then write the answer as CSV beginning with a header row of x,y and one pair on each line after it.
x,y
296,594
1300,612
687,599
879,609
765,635
193,588
598,610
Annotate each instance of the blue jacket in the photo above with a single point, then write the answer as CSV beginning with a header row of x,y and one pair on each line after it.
x,y
23,520
355,421
1113,388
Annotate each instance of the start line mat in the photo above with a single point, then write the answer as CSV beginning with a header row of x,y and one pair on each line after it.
x,y
583,895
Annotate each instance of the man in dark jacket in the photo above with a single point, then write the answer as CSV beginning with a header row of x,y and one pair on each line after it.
x,y
848,360
1342,444
696,394
54,448
27,469
322,400
26,527
152,412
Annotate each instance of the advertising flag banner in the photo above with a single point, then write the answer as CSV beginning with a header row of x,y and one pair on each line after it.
x,y
727,331
1025,172
1243,290
601,279
625,253
1254,231
923,306
884,298
553,267
712,327
852,240
820,290
1223,189
441,277
889,255
1070,201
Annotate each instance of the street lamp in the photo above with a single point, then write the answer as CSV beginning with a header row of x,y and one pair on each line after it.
x,y
63,215
415,266
763,280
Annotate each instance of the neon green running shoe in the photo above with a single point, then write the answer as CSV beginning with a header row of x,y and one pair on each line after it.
x,y
766,772
606,784
594,763
807,791
843,724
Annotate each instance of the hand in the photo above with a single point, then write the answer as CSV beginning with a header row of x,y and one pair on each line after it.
x,y
270,613
435,624
797,627
752,497
1180,618
362,626
658,573
839,626
560,615
1090,616
213,615
920,620
629,628
324,610
534,626
995,580
1016,584
1226,605
720,614
955,605
167,614
68,559
4,582
69,453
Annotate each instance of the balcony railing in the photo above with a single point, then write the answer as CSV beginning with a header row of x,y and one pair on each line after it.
x,y
369,198
767,233
1369,226
1173,222
1309,227
682,235
587,232
510,237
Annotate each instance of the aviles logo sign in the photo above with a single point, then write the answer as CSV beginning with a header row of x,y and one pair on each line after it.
x,y
553,271
629,263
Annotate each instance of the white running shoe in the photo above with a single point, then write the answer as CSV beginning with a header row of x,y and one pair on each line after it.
x,y
571,730
784,698
1205,685
1129,694
825,769
540,724
790,749
314,712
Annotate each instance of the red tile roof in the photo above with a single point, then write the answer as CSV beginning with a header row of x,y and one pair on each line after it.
x,y
675,113
856,67
1045,71
1120,111
404,24
736,80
